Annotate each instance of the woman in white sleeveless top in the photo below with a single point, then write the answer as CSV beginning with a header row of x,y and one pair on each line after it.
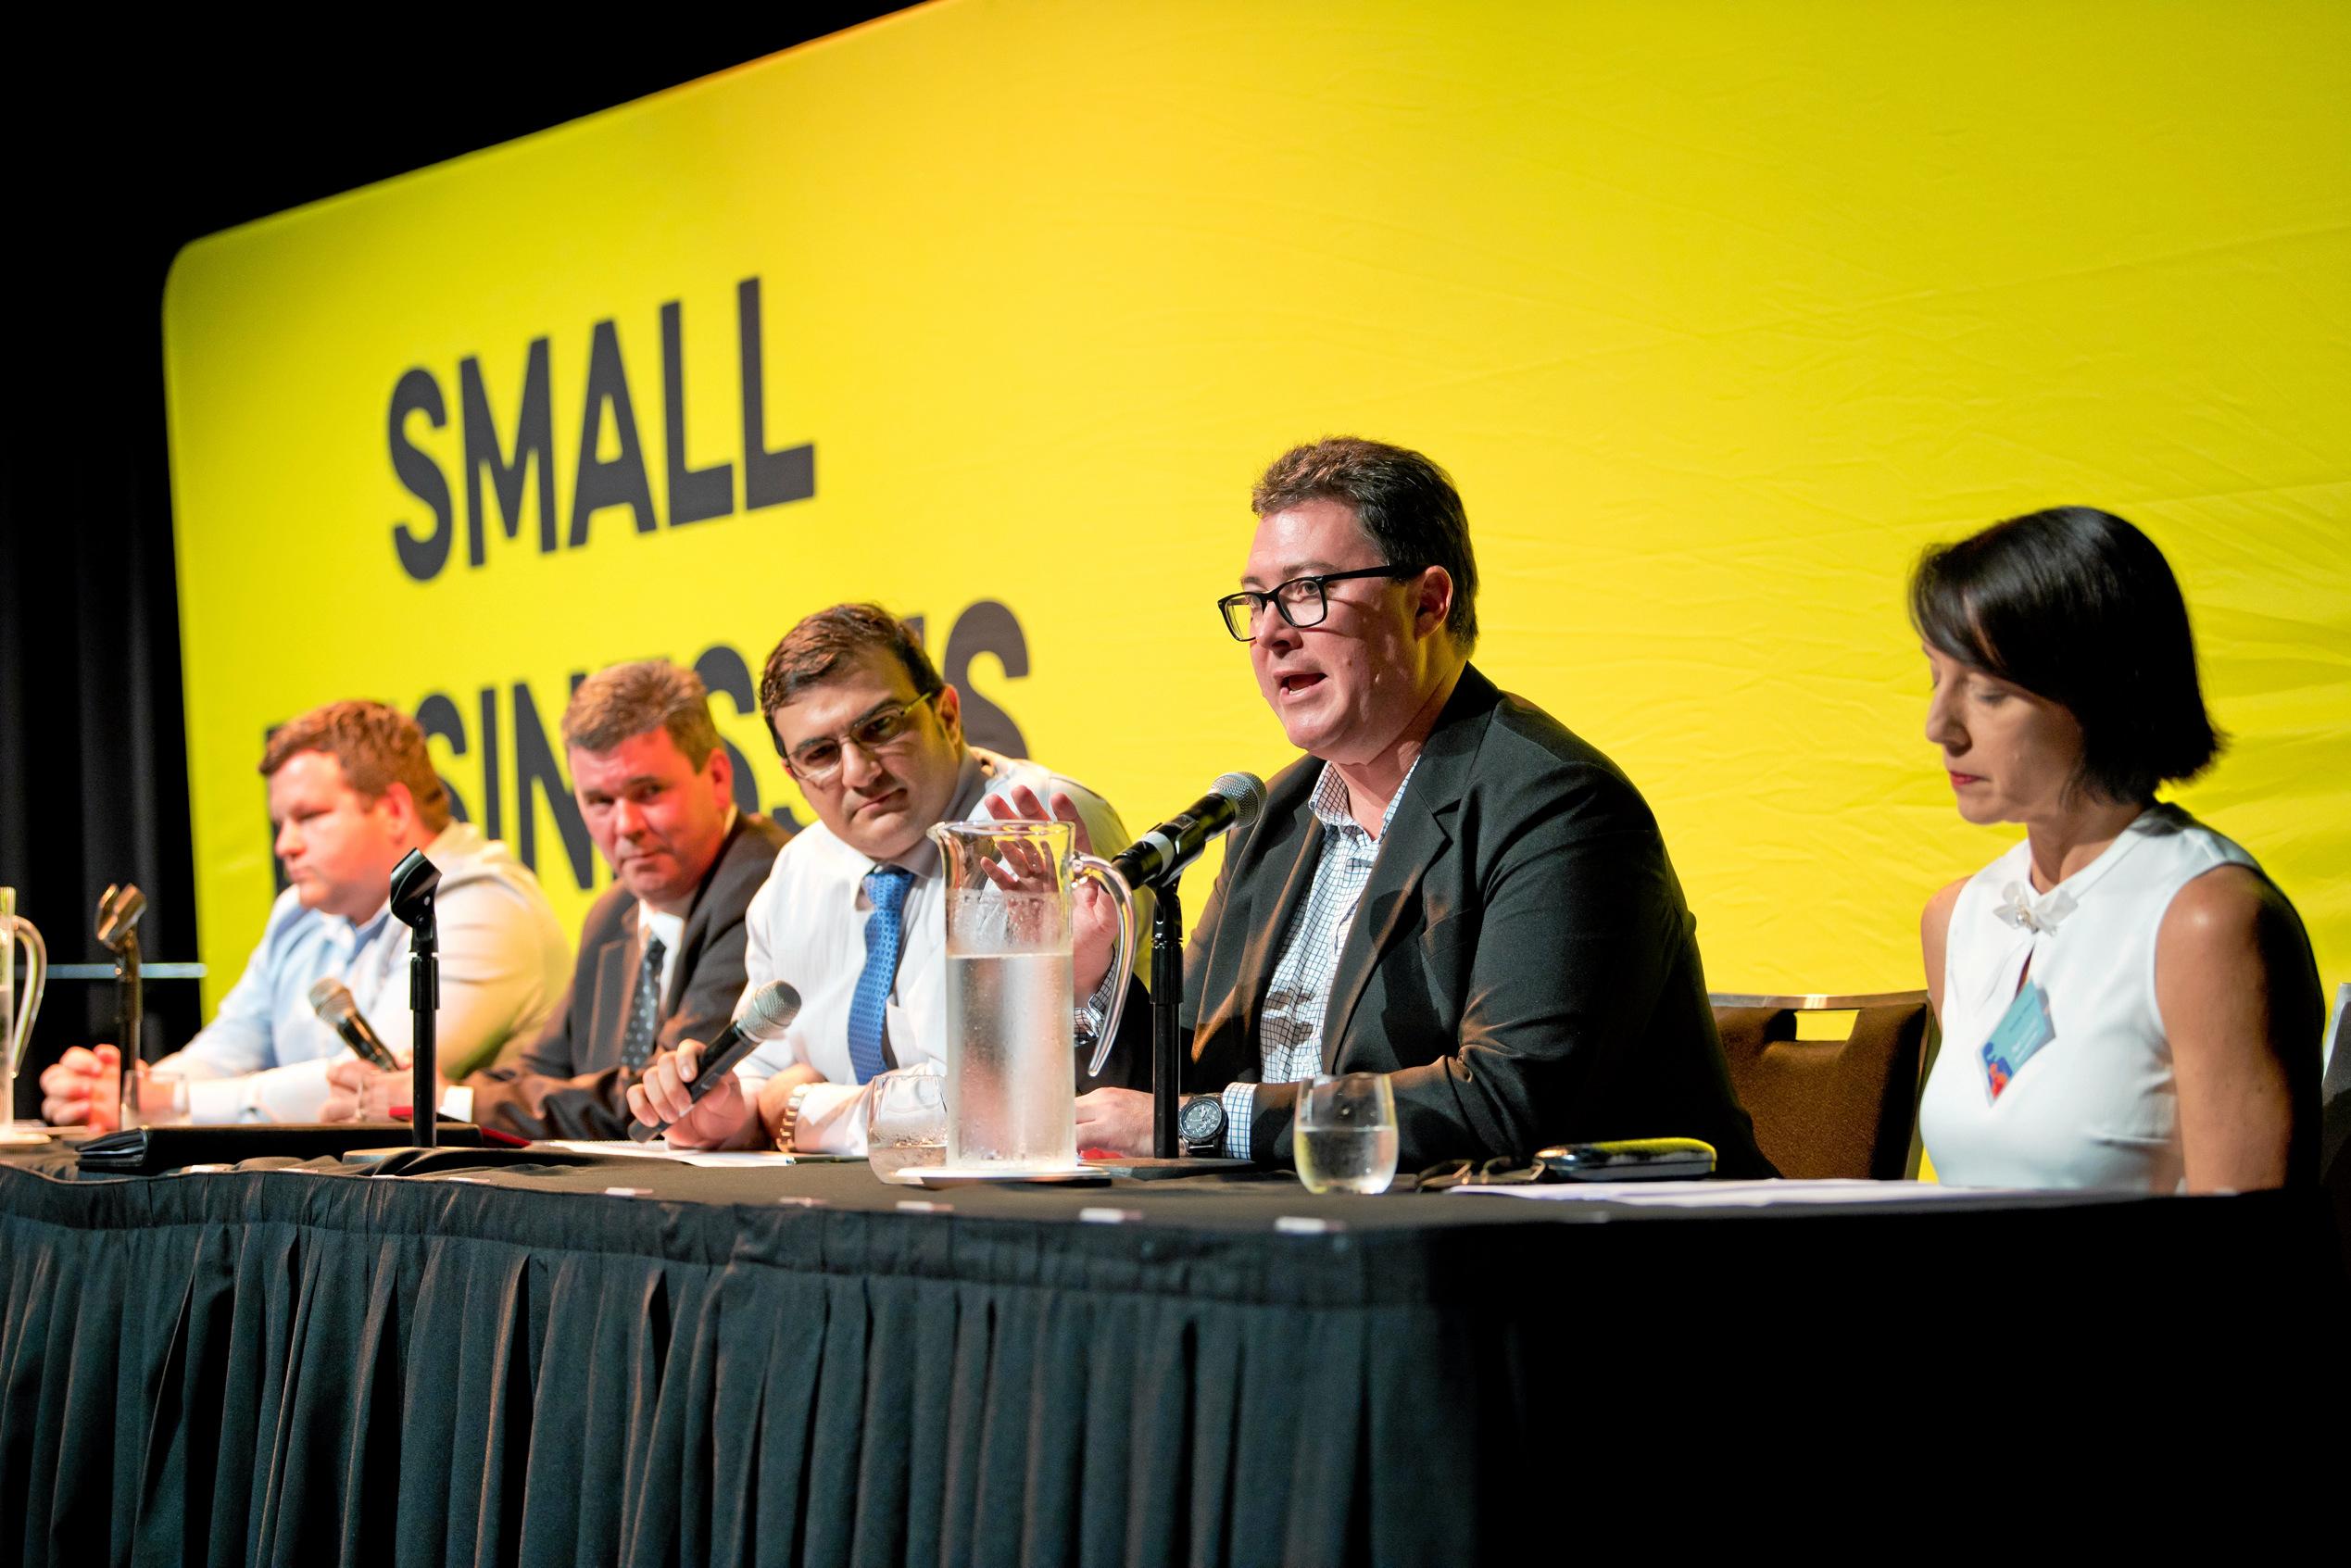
x,y
2127,1001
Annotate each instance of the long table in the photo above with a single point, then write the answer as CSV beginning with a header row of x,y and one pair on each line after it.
x,y
647,1362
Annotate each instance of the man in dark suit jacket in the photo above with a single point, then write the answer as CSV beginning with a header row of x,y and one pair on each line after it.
x,y
571,1081
661,956
1449,888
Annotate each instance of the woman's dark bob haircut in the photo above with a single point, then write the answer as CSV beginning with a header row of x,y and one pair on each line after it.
x,y
2077,606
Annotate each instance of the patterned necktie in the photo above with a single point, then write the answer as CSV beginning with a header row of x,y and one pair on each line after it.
x,y
887,887
636,1043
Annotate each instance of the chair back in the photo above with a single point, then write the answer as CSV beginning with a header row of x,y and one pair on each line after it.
x,y
1828,1108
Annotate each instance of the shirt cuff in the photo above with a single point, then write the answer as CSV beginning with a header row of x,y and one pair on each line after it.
x,y
458,1101
278,1093
214,1102
832,1120
1240,1104
292,1094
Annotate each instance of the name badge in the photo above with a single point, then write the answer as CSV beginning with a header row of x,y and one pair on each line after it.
x,y
2021,1031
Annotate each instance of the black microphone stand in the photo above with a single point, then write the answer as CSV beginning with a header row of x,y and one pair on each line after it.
x,y
119,911
1167,996
413,881
132,1010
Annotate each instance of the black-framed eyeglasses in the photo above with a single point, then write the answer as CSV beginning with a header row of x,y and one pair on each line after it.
x,y
1303,601
885,729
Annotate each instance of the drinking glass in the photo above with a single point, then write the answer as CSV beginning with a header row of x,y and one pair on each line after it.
x,y
906,1122
1346,1138
157,1099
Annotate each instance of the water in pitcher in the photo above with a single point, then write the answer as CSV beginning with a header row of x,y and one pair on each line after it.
x,y
1011,1095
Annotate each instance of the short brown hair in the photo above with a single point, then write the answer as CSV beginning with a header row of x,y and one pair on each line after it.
x,y
377,747
813,651
629,699
1403,501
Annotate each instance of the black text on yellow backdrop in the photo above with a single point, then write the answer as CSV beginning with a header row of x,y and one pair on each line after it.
x,y
771,476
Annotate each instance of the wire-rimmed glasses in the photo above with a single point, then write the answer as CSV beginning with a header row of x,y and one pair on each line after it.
x,y
816,761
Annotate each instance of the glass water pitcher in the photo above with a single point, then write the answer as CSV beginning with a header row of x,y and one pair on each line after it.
x,y
1011,1013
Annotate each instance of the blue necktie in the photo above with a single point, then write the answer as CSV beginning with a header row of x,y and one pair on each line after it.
x,y
887,887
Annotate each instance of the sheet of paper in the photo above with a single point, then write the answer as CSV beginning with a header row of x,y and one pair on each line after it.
x,y
1738,1195
658,1148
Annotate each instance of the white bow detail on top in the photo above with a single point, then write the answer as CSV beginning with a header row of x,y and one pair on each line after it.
x,y
2017,906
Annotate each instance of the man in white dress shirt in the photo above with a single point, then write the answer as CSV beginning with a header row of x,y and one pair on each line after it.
x,y
852,915
351,792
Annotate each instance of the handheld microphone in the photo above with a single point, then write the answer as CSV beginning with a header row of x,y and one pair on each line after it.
x,y
1156,859
767,1012
331,1000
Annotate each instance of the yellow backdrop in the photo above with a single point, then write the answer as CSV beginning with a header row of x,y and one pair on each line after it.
x,y
1718,313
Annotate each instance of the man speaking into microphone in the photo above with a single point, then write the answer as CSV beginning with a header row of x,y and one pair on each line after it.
x,y
1449,887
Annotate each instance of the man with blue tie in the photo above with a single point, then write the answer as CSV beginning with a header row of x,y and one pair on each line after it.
x,y
854,915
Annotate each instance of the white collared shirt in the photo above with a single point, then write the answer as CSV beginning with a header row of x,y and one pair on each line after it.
x,y
650,923
806,926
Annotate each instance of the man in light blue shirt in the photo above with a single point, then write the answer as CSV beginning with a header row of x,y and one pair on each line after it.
x,y
352,791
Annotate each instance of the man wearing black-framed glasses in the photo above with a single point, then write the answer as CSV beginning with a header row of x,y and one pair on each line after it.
x,y
852,913
1449,887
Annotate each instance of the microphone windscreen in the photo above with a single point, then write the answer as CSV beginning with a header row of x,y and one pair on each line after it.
x,y
331,999
769,1011
1247,792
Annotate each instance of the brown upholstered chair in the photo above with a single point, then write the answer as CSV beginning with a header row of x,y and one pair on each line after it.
x,y
1829,1108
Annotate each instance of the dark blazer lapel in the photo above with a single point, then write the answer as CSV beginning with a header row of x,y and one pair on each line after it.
x,y
614,972
697,930
1419,833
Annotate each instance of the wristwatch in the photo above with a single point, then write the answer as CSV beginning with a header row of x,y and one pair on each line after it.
x,y
790,1122
1201,1124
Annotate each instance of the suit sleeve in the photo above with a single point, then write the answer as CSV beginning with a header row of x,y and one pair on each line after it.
x,y
1566,947
534,1090
541,1096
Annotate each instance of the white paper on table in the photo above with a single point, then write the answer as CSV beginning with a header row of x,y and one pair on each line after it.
x,y
1771,1194
658,1148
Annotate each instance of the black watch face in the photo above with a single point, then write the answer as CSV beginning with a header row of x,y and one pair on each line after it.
x,y
1202,1120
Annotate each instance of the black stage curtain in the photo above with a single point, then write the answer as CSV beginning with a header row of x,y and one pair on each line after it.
x,y
189,131
309,1367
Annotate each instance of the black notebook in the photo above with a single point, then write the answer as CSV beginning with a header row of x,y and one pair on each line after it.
x,y
143,1150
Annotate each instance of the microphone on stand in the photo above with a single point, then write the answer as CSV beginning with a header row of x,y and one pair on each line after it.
x,y
119,911
414,881
331,1000
766,1013
1155,860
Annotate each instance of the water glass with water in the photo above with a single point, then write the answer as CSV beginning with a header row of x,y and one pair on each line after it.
x,y
157,1099
1346,1134
906,1122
